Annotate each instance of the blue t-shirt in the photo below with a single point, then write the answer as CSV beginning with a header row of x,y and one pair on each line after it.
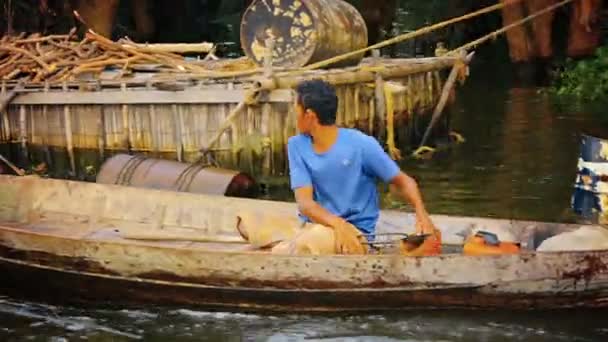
x,y
344,177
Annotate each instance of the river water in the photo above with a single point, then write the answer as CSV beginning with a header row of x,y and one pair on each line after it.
x,y
518,161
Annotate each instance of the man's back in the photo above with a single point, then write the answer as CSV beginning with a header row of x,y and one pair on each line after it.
x,y
344,177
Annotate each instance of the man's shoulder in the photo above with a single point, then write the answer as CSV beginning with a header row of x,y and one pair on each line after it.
x,y
298,139
355,135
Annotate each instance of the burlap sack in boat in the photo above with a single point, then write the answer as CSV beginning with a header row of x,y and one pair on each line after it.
x,y
288,235
585,238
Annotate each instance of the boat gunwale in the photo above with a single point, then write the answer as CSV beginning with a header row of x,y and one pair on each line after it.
x,y
200,249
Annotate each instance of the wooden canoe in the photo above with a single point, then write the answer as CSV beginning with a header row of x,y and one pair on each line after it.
x,y
62,240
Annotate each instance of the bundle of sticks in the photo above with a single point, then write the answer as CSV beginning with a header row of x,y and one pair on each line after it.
x,y
61,58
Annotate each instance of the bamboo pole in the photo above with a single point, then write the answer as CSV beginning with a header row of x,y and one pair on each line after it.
x,y
372,115
365,74
17,170
23,132
154,133
101,131
379,96
266,121
228,121
179,237
4,109
46,135
177,132
174,48
447,88
126,141
356,100
67,117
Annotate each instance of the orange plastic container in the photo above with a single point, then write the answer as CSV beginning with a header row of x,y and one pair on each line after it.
x,y
484,243
430,246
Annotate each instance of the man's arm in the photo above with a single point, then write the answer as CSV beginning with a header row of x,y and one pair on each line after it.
x,y
408,189
316,213
378,163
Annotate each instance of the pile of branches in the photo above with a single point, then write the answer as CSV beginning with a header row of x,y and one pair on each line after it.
x,y
62,58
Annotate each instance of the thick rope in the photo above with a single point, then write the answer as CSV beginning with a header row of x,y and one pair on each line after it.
x,y
495,34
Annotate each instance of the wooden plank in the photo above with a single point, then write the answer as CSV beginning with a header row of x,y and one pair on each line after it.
x,y
145,97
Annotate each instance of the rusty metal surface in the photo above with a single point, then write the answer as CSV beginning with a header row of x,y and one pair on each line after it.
x,y
304,31
590,195
139,171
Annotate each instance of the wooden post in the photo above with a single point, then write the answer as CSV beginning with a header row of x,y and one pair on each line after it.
x,y
101,131
356,100
177,132
379,96
372,116
4,110
183,131
4,120
67,117
126,141
46,135
154,134
267,115
23,132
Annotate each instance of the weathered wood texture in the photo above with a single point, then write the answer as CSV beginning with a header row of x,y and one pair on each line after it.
x,y
140,117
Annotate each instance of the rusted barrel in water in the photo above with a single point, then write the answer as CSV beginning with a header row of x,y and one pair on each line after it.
x,y
304,32
140,171
590,195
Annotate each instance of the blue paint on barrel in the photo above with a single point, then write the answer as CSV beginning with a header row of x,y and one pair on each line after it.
x,y
591,183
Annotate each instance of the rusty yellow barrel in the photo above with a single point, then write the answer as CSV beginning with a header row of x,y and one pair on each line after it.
x,y
304,31
140,171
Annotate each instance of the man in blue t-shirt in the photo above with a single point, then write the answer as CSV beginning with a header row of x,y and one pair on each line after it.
x,y
333,171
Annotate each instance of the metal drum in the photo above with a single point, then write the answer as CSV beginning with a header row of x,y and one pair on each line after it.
x,y
140,171
304,32
590,196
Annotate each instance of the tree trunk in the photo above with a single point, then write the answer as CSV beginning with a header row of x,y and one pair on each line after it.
x,y
584,35
378,15
541,27
144,22
520,46
98,15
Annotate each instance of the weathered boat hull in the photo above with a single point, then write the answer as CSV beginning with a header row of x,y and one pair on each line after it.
x,y
23,280
67,285
62,240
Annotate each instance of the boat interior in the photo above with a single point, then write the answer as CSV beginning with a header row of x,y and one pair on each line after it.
x,y
130,215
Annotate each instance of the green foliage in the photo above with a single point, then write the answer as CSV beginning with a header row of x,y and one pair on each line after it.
x,y
585,79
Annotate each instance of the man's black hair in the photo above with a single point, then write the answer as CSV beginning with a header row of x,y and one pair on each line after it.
x,y
320,97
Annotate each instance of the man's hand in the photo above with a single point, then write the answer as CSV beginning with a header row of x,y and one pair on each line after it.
x,y
424,225
348,239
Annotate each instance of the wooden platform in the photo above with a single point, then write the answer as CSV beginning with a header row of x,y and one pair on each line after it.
x,y
82,122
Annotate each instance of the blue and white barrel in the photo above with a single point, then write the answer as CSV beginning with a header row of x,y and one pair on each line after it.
x,y
590,197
